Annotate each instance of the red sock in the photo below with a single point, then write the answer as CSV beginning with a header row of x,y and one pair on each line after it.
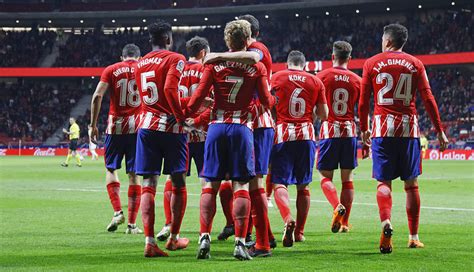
x,y
113,189
347,195
250,225
168,191
384,201
268,185
179,199
270,232
241,212
134,195
283,202
226,195
303,201
330,192
148,210
413,208
260,218
207,206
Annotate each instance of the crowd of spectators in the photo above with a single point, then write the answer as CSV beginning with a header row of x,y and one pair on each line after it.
x,y
24,49
33,111
429,33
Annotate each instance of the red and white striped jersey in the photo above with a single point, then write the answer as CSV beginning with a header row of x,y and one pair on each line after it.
x,y
342,93
234,86
336,129
158,74
189,82
262,114
298,93
394,78
123,124
124,111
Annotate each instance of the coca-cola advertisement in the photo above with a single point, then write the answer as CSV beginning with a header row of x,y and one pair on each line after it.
x,y
45,152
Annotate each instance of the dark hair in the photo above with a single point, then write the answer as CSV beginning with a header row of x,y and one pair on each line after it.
x,y
296,58
195,45
130,51
159,32
398,34
254,24
341,50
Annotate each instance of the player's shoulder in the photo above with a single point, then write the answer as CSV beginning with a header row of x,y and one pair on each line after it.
x,y
193,65
258,45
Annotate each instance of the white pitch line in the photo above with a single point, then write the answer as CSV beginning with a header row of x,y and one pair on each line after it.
x,y
313,200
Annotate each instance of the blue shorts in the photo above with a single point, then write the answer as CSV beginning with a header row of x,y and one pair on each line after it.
x,y
229,151
394,157
262,142
196,153
293,162
118,146
154,147
337,152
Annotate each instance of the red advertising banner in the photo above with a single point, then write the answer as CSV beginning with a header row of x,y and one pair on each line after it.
x,y
355,64
430,154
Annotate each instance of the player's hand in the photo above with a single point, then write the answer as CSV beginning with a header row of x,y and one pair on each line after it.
x,y
366,138
64,130
208,102
365,151
93,134
190,122
211,58
443,141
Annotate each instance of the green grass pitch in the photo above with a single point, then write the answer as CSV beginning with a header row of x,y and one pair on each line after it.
x,y
54,218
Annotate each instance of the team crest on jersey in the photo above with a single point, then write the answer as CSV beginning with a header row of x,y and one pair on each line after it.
x,y
180,66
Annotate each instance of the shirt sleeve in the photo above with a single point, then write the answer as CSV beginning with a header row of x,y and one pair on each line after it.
x,y
364,98
201,92
264,95
106,76
173,76
428,98
260,53
321,99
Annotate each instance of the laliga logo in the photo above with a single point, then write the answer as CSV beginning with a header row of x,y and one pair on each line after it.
x,y
47,152
434,155
3,152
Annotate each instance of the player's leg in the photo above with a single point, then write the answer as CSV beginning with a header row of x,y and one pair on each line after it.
x,y
167,192
259,212
269,187
384,170
113,159
176,164
329,155
76,154
207,208
282,175
348,162
214,159
411,169
347,196
68,157
263,142
148,164
226,196
241,170
303,173
134,198
134,188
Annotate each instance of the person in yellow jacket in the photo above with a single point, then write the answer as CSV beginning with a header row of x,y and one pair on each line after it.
x,y
73,132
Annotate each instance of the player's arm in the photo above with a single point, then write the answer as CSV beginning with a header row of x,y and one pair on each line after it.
x,y
247,57
364,100
264,95
431,107
321,109
96,102
200,93
171,88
